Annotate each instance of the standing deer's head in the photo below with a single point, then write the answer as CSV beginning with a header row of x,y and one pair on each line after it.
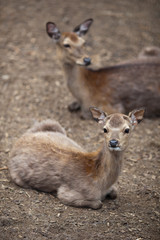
x,y
71,45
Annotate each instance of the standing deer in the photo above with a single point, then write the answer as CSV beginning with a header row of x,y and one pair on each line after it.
x,y
44,158
116,88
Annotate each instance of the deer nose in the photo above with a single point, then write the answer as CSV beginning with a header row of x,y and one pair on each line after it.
x,y
113,143
87,61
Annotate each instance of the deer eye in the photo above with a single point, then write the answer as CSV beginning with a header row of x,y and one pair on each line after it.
x,y
105,130
67,46
126,130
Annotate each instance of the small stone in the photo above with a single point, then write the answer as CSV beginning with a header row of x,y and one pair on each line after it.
x,y
5,77
57,83
33,40
7,150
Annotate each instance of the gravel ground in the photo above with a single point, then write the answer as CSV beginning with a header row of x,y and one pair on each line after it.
x,y
32,87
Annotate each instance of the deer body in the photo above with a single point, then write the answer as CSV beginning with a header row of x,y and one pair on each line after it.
x,y
44,158
118,88
115,88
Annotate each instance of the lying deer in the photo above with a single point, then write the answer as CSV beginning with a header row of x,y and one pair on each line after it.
x,y
116,88
44,158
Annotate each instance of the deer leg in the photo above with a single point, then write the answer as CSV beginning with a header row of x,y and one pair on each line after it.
x,y
74,106
85,113
76,199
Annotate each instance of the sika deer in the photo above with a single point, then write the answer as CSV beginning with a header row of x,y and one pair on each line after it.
x,y
44,158
116,88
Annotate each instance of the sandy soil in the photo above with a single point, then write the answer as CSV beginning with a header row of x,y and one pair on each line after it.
x,y
32,88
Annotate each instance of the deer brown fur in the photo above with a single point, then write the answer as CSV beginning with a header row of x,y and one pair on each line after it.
x,y
116,88
44,158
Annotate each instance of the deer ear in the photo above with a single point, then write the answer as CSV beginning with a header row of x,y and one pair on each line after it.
x,y
98,115
136,116
83,28
53,31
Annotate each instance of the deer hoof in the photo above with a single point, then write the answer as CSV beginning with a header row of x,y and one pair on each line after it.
x,y
74,107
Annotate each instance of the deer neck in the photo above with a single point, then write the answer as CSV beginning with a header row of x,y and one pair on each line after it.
x,y
69,69
109,164
72,75
111,157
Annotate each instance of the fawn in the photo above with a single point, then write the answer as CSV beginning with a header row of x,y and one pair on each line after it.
x,y
44,158
116,88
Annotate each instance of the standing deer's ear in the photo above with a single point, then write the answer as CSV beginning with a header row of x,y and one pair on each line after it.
x,y
53,31
136,116
83,28
98,115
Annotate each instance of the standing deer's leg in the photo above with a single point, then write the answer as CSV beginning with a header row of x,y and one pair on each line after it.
x,y
74,106
85,113
73,198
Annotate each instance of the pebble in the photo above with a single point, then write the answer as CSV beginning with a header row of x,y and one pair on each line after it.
x,y
7,150
5,77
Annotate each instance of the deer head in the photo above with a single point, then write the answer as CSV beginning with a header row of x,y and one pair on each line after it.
x,y
71,45
117,127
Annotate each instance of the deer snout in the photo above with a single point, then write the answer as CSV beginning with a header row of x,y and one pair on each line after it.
x,y
113,143
87,61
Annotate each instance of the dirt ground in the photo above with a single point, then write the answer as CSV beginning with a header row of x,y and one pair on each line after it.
x,y
32,87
